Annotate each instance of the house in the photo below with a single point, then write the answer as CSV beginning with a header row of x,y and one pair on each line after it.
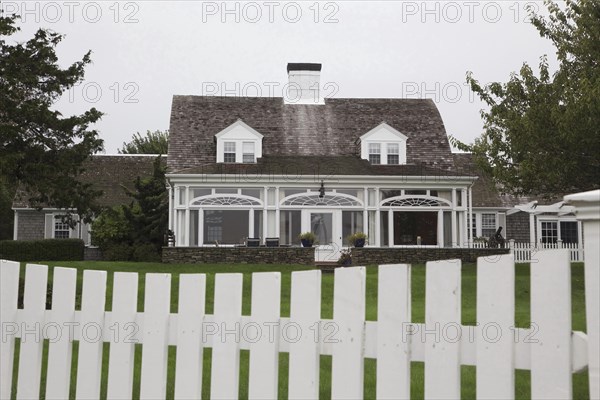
x,y
243,168
109,173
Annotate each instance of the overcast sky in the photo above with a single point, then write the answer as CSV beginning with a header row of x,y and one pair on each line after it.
x,y
144,52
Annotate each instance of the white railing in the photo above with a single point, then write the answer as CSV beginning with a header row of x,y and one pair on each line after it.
x,y
526,252
494,346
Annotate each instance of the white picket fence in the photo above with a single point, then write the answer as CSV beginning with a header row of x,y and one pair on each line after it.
x,y
549,349
526,252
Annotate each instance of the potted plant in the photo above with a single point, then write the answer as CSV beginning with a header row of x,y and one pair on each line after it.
x,y
345,259
307,239
358,239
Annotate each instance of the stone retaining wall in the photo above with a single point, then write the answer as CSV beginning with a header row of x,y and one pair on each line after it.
x,y
416,255
238,255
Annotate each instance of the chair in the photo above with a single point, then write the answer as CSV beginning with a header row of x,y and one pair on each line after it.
x,y
272,242
253,242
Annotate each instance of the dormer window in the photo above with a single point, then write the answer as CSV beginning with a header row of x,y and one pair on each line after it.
x,y
393,153
229,152
248,155
238,143
375,153
384,145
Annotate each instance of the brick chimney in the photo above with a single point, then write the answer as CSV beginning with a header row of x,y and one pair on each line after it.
x,y
304,84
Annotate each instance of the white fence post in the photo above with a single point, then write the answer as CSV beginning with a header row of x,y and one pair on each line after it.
x,y
587,209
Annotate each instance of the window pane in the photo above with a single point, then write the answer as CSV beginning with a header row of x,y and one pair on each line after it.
x,y
488,225
321,224
248,158
375,158
393,159
229,147
229,157
194,227
226,190
383,226
248,147
289,227
392,148
252,193
352,222
568,232
225,226
549,231
374,148
61,230
258,223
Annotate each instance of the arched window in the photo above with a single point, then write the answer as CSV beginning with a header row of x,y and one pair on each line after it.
x,y
226,200
415,201
329,200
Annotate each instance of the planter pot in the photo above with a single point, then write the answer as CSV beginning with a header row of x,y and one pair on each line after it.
x,y
306,243
359,243
346,263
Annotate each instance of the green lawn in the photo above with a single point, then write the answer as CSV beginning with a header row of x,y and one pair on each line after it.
x,y
522,318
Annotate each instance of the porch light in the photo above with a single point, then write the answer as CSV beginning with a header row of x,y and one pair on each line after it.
x,y
322,190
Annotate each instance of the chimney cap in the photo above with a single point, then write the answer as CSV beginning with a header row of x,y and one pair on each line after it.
x,y
303,67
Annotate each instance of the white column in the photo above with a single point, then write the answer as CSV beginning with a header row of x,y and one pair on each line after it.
x,y
532,228
377,219
186,222
391,228
587,210
277,227
201,227
366,215
170,215
440,227
454,238
470,216
265,216
251,233
465,224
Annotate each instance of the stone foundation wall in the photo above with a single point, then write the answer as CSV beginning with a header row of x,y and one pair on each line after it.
x,y
239,255
383,255
92,254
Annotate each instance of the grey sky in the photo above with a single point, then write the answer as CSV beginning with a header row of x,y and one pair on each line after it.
x,y
144,52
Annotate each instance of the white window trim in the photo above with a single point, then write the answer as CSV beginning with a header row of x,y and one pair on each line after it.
x,y
558,220
372,137
226,136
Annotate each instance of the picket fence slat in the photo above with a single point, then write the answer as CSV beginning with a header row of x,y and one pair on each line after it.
x,y
122,348
225,369
551,376
305,312
592,304
60,349
188,379
442,322
34,306
496,316
264,351
347,368
9,294
157,304
89,360
393,341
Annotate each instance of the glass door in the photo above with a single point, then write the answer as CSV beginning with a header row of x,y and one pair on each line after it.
x,y
328,240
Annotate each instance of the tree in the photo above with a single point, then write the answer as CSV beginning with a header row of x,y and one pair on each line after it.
x,y
542,132
153,143
148,214
40,149
136,230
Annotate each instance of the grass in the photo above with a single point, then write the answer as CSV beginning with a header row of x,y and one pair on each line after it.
x,y
522,319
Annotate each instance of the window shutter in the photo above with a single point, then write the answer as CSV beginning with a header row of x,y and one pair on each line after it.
x,y
49,226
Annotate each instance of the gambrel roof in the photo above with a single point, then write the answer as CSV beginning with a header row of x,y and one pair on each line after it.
x,y
330,130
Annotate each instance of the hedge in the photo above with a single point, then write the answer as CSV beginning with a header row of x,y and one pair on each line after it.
x,y
42,250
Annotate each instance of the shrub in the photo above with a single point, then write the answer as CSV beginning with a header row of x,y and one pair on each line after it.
x,y
146,252
42,250
118,252
110,228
